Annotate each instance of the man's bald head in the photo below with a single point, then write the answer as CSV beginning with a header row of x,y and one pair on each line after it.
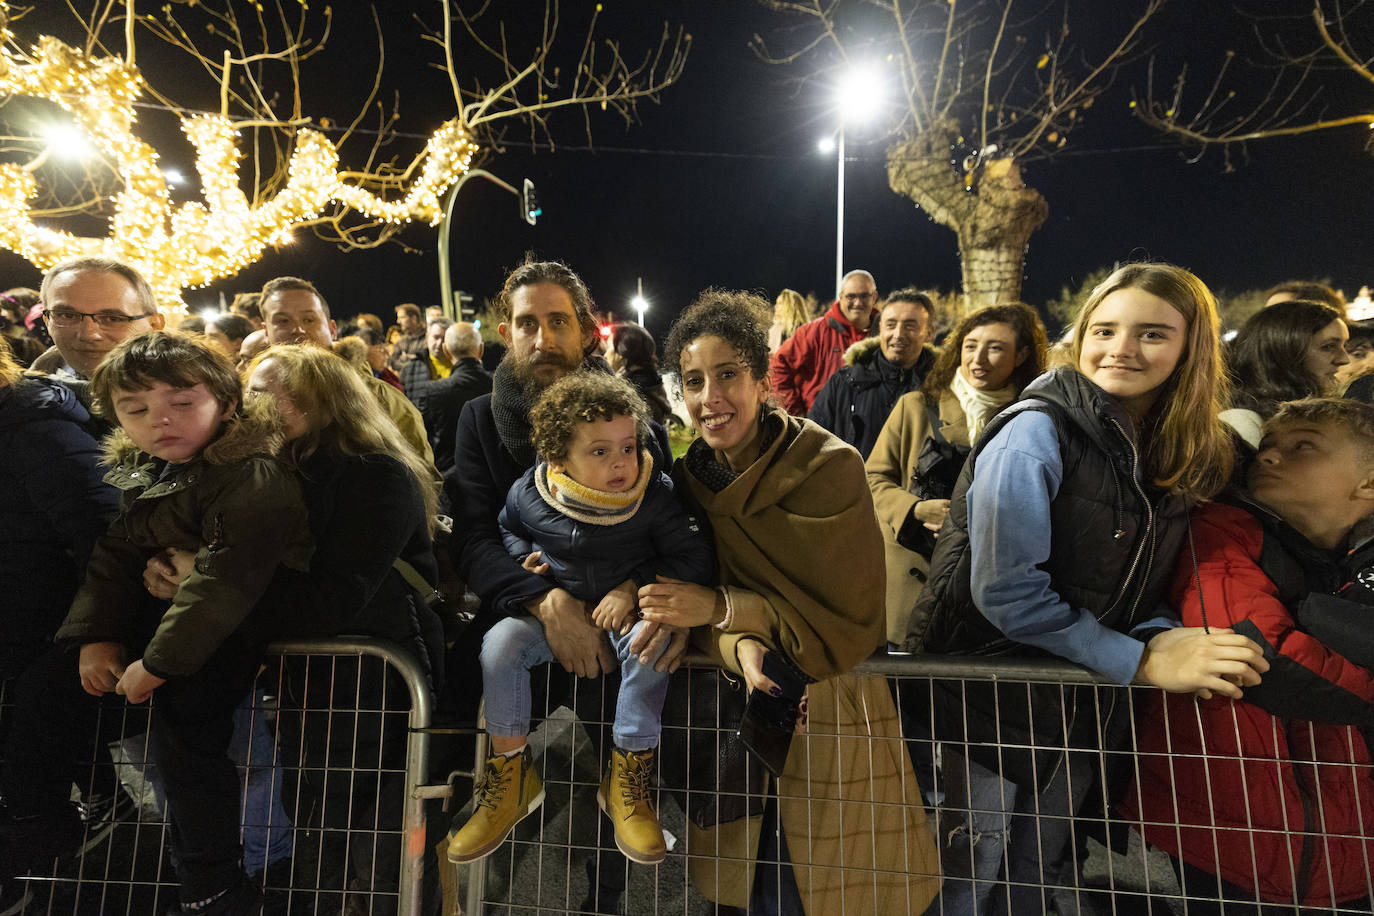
x,y
463,341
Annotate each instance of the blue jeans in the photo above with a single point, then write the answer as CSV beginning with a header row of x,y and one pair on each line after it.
x,y
517,644
1008,839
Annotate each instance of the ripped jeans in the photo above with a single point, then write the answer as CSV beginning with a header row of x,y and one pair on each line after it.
x,y
996,837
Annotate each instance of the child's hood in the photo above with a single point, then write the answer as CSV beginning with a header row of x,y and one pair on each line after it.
x,y
253,432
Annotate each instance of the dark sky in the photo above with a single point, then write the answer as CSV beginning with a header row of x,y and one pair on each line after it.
x,y
722,184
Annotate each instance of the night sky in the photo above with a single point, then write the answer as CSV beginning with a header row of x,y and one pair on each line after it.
x,y
722,184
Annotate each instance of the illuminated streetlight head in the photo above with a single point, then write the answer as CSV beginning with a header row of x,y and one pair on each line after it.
x,y
860,93
66,141
639,304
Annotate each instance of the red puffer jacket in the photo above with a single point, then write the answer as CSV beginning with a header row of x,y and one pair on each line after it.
x,y
1269,792
807,359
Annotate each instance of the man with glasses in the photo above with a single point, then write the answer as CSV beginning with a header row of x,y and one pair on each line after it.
x,y
806,360
89,305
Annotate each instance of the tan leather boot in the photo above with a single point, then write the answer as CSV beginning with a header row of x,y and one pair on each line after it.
x,y
624,796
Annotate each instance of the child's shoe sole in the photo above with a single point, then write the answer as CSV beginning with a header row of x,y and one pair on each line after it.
x,y
634,855
487,850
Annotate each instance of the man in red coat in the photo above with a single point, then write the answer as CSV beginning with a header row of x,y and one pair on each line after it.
x,y
807,359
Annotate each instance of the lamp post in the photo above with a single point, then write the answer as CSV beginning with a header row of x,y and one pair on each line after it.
x,y
858,96
639,303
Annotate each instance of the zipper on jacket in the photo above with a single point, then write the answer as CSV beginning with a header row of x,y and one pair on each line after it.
x,y
1146,536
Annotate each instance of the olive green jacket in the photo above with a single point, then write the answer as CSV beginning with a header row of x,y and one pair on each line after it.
x,y
235,505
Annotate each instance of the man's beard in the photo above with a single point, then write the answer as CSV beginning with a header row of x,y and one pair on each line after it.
x,y
538,371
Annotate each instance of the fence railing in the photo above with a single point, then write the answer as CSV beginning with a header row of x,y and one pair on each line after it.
x,y
333,749
1283,823
1124,800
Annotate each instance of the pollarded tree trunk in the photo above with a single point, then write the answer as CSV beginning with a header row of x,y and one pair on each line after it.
x,y
991,211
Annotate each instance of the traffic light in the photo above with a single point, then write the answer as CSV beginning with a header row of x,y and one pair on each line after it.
x,y
529,205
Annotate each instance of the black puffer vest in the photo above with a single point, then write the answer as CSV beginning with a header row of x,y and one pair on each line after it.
x,y
1113,545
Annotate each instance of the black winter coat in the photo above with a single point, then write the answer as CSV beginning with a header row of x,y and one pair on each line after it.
x,y
588,560
855,402
53,508
365,511
440,401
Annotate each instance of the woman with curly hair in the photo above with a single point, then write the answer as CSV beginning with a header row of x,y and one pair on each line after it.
x,y
843,829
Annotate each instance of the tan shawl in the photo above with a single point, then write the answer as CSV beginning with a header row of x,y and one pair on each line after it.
x,y
799,550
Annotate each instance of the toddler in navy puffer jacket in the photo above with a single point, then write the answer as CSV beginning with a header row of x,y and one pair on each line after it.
x,y
596,517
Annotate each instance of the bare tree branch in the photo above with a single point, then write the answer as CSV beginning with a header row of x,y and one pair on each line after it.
x,y
1287,107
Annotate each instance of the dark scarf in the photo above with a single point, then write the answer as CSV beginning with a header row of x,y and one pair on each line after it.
x,y
712,470
510,408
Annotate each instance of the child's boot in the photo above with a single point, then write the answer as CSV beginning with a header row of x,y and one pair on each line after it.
x,y
509,792
624,796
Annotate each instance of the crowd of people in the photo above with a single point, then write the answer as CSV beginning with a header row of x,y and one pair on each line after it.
x,y
1143,499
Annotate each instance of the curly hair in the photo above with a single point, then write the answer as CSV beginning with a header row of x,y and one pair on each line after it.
x,y
559,274
1030,336
1267,358
740,319
170,357
583,397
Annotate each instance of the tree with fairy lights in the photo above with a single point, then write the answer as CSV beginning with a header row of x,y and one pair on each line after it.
x,y
265,166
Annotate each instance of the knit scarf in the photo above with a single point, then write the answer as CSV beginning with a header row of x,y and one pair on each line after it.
x,y
585,504
979,406
510,409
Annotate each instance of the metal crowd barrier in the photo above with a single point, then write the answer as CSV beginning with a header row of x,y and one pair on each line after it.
x,y
845,833
338,729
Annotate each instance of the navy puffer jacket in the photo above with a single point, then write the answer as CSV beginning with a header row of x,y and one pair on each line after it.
x,y
589,560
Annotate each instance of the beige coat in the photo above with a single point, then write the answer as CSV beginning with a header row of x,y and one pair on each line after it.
x,y
890,466
798,551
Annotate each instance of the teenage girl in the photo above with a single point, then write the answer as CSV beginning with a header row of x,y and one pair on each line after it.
x,y
1106,454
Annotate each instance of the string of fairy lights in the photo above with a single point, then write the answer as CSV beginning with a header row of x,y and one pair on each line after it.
x,y
197,242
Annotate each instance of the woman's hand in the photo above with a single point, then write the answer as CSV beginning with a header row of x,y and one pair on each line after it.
x,y
750,653
101,665
136,684
681,604
166,570
1193,659
931,513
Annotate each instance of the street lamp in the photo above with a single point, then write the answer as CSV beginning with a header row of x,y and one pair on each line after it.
x,y
639,303
858,97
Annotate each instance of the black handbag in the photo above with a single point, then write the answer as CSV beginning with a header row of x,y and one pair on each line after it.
x,y
702,751
936,471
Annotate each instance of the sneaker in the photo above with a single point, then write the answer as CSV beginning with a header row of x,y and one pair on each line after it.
x,y
100,812
243,899
509,792
624,796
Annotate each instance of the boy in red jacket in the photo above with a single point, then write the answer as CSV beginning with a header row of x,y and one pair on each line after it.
x,y
1270,799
